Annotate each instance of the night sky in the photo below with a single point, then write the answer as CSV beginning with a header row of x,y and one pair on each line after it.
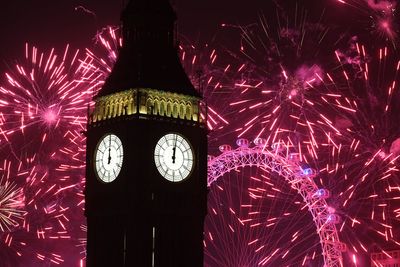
x,y
48,24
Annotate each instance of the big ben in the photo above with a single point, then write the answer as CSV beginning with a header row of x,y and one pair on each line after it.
x,y
146,175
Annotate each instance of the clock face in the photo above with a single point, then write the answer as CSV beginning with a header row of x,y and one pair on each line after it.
x,y
173,157
109,155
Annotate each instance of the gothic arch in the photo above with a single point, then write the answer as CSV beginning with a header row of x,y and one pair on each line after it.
x,y
149,106
189,111
169,108
181,110
175,109
163,106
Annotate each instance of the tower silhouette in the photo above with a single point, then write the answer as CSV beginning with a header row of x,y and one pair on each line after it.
x,y
146,175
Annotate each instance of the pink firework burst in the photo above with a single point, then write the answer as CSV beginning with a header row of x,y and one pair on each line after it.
x,y
366,161
283,83
43,109
43,96
200,63
380,17
11,202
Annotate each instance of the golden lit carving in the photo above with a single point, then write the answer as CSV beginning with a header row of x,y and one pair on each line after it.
x,y
115,105
146,102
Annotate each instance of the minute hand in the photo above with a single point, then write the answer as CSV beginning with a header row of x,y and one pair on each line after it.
x,y
174,151
109,152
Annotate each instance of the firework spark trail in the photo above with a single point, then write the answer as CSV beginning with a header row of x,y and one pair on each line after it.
x,y
11,204
346,116
366,199
379,17
374,93
43,97
43,113
366,161
200,64
101,63
46,99
306,94
257,219
203,68
303,94
287,99
35,217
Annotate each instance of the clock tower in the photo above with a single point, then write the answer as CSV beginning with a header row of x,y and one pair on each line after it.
x,y
146,174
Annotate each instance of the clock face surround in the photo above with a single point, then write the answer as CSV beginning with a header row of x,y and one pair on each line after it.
x,y
173,156
108,156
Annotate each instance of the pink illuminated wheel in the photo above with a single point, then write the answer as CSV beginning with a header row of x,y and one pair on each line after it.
x,y
298,177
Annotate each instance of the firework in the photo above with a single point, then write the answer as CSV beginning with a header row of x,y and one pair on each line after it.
x,y
379,18
290,82
200,63
11,206
258,211
42,97
284,84
100,64
248,223
366,161
43,109
338,108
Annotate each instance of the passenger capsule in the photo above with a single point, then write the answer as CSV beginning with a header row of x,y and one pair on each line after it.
x,y
322,193
260,142
333,218
242,142
225,148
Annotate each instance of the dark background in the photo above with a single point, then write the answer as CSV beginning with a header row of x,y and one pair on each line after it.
x,y
48,23
54,23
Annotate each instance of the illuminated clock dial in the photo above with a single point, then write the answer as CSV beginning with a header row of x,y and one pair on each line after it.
x,y
109,156
173,157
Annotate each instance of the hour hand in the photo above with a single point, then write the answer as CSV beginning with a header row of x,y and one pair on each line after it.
x,y
173,154
174,150
109,156
109,152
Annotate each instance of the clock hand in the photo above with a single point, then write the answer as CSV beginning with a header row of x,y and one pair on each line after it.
x,y
109,152
174,150
173,155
